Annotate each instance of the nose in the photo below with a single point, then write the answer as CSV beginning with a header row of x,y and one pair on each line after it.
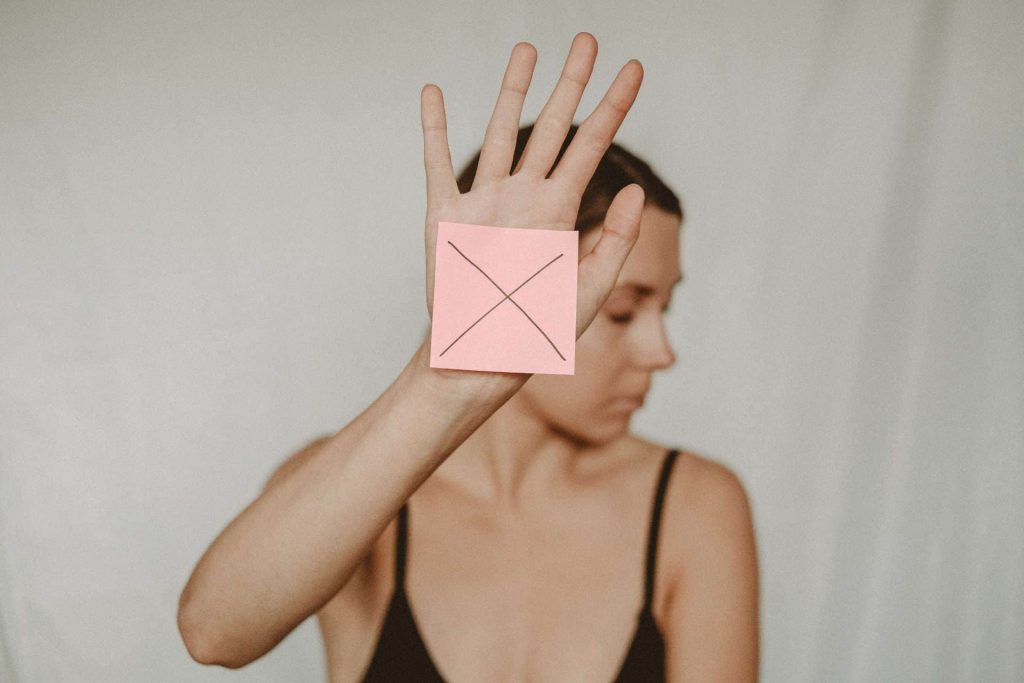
x,y
657,352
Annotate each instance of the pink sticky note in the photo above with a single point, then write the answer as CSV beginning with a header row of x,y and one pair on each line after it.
x,y
504,299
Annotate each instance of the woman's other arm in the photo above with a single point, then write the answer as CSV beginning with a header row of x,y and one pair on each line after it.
x,y
712,612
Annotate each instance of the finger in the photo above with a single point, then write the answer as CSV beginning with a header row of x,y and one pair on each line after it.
x,y
555,118
437,157
600,268
503,130
595,134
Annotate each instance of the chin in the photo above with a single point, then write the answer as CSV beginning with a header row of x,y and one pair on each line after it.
x,y
608,430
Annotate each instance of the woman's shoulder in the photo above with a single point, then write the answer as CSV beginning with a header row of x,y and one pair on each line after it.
x,y
706,485
696,479
706,508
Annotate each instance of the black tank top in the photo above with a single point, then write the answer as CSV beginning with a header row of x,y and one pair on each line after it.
x,y
402,656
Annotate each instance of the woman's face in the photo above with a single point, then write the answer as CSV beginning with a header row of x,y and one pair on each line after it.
x,y
619,353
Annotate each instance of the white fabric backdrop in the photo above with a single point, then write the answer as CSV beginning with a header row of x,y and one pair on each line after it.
x,y
211,252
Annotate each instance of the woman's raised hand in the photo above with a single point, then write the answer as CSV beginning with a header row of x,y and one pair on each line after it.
x,y
532,195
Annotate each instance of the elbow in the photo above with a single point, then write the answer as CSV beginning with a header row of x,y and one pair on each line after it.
x,y
202,647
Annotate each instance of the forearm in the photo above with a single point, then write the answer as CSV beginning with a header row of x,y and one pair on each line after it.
x,y
294,547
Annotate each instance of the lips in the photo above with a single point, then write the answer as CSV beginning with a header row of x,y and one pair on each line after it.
x,y
634,399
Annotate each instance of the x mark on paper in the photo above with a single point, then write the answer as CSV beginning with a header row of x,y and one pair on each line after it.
x,y
507,297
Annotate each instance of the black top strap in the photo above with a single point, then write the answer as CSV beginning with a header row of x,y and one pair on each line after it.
x,y
655,525
400,543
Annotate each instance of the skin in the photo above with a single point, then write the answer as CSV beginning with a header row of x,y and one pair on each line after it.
x,y
540,432
497,527
529,499
624,346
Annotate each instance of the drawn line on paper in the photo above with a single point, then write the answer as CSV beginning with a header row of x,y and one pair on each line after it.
x,y
507,297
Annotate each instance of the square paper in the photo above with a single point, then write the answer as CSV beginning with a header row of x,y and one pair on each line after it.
x,y
504,299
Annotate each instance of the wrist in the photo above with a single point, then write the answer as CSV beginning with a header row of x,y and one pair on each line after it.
x,y
462,386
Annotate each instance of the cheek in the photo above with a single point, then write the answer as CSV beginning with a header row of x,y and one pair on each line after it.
x,y
564,397
601,349
597,361
595,366
575,399
576,405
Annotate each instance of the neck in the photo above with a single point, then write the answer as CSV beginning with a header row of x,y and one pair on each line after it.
x,y
514,460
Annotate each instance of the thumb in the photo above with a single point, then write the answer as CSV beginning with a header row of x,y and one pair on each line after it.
x,y
599,269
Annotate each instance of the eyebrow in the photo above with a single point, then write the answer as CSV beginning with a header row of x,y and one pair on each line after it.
x,y
646,290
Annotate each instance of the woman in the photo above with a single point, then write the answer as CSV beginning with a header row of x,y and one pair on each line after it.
x,y
484,526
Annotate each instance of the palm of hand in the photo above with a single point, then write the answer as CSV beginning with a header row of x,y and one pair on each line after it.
x,y
532,195
516,202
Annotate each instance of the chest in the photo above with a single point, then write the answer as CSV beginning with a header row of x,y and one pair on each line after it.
x,y
526,608
498,600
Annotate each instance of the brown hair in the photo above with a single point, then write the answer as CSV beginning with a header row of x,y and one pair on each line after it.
x,y
617,169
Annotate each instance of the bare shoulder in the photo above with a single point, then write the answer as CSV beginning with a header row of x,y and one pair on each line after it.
x,y
707,517
710,591
700,486
704,486
709,509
